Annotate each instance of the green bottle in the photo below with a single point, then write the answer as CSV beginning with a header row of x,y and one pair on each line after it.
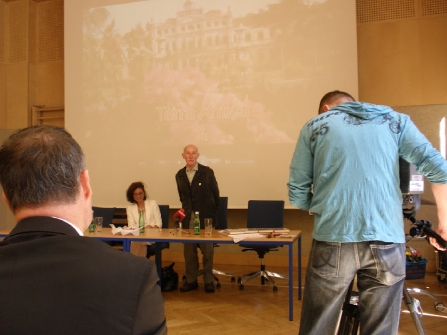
x,y
141,222
92,226
196,224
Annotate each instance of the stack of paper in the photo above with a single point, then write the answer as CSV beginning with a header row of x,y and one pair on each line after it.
x,y
239,237
237,231
241,234
255,230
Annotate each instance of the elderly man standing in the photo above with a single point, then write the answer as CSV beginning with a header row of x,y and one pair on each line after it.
x,y
52,279
198,191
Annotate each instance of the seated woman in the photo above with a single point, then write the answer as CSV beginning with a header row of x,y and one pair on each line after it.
x,y
136,195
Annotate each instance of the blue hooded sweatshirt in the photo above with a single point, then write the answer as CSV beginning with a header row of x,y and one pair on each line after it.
x,y
345,170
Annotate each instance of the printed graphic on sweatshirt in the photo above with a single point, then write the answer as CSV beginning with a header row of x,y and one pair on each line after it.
x,y
393,124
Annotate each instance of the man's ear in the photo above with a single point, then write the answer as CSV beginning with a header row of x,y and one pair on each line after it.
x,y
85,184
6,201
326,107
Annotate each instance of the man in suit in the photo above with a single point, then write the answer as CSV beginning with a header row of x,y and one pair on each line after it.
x,y
53,280
198,191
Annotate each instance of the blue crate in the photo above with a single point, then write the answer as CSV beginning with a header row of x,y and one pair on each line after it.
x,y
416,270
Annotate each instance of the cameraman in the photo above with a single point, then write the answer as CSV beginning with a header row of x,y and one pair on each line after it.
x,y
350,156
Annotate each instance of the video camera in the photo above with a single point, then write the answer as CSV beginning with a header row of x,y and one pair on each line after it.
x,y
411,186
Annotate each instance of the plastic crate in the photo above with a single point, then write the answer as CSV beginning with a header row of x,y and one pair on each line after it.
x,y
416,270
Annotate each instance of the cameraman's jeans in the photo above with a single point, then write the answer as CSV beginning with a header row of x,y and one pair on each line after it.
x,y
380,269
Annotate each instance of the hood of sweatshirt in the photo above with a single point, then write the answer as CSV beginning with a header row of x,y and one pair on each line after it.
x,y
363,110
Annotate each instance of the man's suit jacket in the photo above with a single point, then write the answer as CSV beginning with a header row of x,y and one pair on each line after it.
x,y
201,195
53,281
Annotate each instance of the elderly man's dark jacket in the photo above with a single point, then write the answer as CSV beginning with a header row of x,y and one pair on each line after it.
x,y
53,281
201,195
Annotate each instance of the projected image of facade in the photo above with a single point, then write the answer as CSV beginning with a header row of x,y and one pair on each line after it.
x,y
231,78
237,78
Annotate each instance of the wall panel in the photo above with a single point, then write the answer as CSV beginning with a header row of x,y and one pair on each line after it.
x,y
49,84
402,55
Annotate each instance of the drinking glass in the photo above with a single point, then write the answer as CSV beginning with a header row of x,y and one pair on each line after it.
x,y
208,226
98,223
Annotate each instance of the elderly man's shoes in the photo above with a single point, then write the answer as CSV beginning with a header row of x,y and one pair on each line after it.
x,y
209,288
189,286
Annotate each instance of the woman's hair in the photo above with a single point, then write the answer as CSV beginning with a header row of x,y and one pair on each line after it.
x,y
132,188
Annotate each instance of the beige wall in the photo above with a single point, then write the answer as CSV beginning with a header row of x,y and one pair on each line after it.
x,y
402,61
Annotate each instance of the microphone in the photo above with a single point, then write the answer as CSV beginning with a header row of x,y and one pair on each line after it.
x,y
179,215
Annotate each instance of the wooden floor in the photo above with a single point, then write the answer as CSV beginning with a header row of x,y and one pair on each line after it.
x,y
258,310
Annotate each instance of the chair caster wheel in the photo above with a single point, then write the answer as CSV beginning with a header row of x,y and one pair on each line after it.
x,y
233,280
239,280
439,306
275,289
241,287
218,286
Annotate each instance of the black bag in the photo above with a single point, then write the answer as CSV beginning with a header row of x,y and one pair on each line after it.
x,y
169,278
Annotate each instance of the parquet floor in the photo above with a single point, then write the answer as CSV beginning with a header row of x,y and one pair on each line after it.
x,y
258,310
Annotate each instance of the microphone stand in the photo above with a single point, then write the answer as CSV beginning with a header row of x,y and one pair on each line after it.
x,y
176,226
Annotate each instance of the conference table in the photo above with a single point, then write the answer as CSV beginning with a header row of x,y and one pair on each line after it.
x,y
186,236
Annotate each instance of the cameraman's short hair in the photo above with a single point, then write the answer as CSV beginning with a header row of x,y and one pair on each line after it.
x,y
330,97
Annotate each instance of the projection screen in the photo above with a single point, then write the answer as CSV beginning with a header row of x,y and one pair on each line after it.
x,y
237,78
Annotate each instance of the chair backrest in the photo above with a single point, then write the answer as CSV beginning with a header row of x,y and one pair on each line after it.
x,y
106,213
120,217
164,212
265,214
222,214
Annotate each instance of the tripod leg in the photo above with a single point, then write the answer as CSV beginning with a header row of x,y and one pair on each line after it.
x,y
412,305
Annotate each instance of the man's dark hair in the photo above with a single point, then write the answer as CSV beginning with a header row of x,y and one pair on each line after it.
x,y
132,188
40,165
331,97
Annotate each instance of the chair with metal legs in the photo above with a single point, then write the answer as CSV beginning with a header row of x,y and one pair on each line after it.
x,y
222,217
268,214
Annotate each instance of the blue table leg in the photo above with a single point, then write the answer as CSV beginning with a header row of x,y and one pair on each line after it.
x,y
158,260
290,281
299,268
126,245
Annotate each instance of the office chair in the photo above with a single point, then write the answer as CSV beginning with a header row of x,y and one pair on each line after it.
x,y
164,212
120,217
263,214
222,218
106,213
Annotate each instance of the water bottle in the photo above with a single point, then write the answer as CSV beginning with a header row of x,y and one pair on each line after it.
x,y
141,222
196,224
92,226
